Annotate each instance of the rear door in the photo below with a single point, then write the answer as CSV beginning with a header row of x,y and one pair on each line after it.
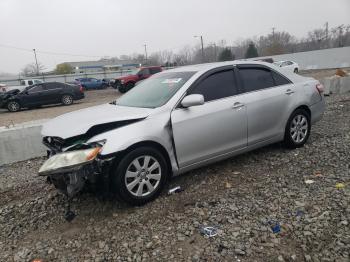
x,y
268,98
52,92
217,127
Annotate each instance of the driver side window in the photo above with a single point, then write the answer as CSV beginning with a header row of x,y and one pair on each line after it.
x,y
216,86
36,88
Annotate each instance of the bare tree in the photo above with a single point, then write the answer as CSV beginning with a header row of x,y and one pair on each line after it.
x,y
31,69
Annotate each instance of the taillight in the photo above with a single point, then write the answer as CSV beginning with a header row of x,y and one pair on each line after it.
x,y
81,89
320,88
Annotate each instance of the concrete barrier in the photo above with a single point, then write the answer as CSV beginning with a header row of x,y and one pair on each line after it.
x,y
21,142
336,85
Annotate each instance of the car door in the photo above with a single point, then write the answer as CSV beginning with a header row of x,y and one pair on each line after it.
x,y
217,127
32,96
144,73
52,93
268,98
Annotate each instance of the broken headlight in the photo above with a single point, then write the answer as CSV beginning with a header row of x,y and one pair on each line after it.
x,y
70,160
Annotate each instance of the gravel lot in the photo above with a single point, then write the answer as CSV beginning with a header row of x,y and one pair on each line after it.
x,y
92,98
241,196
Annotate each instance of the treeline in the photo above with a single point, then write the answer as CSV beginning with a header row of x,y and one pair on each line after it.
x,y
274,43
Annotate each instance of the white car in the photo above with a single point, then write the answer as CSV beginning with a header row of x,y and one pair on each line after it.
x,y
288,66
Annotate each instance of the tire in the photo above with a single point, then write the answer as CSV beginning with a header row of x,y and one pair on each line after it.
x,y
67,100
297,129
296,70
13,106
142,184
126,88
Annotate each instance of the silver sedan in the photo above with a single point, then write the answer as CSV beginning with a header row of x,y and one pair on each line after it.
x,y
178,120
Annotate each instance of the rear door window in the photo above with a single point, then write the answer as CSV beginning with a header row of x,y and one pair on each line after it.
x,y
216,86
52,86
256,78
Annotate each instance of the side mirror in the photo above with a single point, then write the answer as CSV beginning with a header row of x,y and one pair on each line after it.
x,y
192,100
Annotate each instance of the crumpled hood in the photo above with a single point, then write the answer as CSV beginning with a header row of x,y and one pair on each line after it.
x,y
80,121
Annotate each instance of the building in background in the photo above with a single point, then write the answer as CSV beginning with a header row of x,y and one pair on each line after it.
x,y
103,65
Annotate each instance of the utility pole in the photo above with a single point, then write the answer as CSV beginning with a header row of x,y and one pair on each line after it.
x,y
215,52
326,37
273,33
145,52
202,47
36,61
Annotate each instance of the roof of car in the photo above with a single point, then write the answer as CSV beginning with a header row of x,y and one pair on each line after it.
x,y
208,66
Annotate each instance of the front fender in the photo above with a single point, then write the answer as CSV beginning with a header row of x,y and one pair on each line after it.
x,y
157,129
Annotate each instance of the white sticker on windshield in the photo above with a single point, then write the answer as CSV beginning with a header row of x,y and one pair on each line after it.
x,y
172,81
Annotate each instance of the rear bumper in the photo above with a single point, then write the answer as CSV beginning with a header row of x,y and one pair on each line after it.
x,y
317,111
80,96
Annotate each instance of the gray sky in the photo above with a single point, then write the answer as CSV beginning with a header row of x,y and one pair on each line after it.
x,y
115,27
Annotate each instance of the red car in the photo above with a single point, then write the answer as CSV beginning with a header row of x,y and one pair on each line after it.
x,y
125,83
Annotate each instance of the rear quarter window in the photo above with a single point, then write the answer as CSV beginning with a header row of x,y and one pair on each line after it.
x,y
279,79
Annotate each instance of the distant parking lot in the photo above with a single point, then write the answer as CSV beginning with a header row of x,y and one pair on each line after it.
x,y
92,98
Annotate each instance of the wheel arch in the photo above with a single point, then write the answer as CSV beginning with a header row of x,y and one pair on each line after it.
x,y
147,143
304,107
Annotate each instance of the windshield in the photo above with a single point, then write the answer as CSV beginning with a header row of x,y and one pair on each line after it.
x,y
155,91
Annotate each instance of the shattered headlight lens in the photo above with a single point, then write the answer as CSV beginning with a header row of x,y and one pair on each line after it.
x,y
69,160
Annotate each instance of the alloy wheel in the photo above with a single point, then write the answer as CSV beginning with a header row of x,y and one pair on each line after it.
x,y
299,128
67,100
13,106
143,176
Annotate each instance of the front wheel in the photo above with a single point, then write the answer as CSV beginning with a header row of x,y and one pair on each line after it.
x,y
140,176
13,106
296,70
298,129
67,100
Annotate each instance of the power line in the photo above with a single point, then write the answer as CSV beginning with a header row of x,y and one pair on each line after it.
x,y
47,52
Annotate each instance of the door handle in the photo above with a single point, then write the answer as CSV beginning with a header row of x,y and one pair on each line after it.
x,y
237,105
289,92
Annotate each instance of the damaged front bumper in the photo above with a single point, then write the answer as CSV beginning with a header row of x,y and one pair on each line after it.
x,y
72,167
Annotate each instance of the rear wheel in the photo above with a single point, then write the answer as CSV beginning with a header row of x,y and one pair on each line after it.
x,y
296,70
67,100
13,106
140,176
298,129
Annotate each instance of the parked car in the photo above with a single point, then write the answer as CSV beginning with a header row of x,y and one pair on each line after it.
x,y
125,83
91,83
41,94
288,65
176,121
108,81
3,88
23,84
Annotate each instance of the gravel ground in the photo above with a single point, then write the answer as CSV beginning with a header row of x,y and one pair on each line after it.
x,y
92,98
244,197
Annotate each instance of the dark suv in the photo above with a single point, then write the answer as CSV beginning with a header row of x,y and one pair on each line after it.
x,y
125,83
41,94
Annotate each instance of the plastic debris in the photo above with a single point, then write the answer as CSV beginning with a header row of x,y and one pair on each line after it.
x,y
299,213
318,174
339,185
275,226
309,181
209,231
174,190
228,185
